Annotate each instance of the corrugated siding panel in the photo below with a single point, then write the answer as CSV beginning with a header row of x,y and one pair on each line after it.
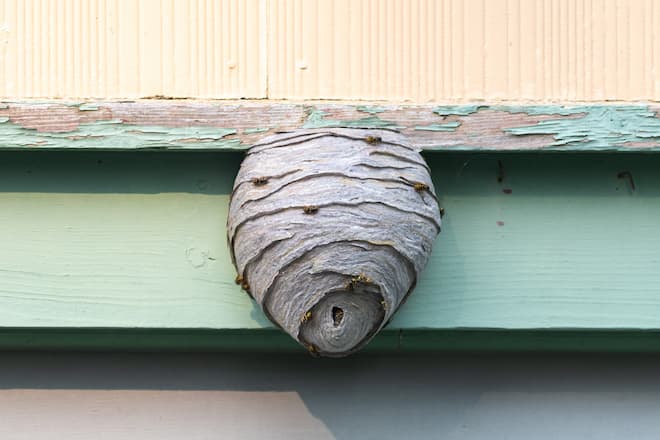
x,y
420,50
129,48
437,50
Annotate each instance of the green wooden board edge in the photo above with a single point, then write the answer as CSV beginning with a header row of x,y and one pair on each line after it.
x,y
390,341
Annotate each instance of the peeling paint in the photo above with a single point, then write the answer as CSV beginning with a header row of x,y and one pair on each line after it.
x,y
538,110
255,130
115,134
88,107
458,110
370,109
466,110
602,127
597,127
449,126
317,119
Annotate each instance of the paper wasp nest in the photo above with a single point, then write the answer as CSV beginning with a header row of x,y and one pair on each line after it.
x,y
329,230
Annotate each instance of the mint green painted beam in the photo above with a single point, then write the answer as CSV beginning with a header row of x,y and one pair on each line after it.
x,y
119,248
235,125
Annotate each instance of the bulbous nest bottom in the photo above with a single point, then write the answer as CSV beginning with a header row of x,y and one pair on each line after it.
x,y
343,322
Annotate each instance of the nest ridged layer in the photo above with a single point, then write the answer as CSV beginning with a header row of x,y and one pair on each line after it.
x,y
330,229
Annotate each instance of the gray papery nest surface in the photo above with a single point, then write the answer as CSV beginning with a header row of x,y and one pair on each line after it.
x,y
329,230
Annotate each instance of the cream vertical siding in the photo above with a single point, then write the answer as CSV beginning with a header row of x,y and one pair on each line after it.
x,y
130,48
411,50
437,50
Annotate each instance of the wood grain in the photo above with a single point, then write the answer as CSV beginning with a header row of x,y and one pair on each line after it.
x,y
231,125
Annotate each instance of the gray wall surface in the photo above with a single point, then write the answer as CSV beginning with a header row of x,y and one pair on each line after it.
x,y
230,396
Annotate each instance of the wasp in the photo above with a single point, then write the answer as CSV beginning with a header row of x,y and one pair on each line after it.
x,y
310,209
259,181
312,350
362,278
306,317
420,186
358,279
373,139
242,281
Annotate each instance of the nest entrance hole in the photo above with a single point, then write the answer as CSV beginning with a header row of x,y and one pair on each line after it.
x,y
337,315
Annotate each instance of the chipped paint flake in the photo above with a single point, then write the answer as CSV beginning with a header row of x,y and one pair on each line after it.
x,y
601,127
457,110
255,130
317,119
449,126
88,107
115,134
538,110
370,109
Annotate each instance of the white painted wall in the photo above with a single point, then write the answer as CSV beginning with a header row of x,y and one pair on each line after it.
x,y
212,396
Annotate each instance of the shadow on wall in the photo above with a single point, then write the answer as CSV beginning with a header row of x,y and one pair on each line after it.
x,y
118,172
293,396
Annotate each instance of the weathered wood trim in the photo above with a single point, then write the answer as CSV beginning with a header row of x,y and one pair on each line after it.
x,y
235,125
